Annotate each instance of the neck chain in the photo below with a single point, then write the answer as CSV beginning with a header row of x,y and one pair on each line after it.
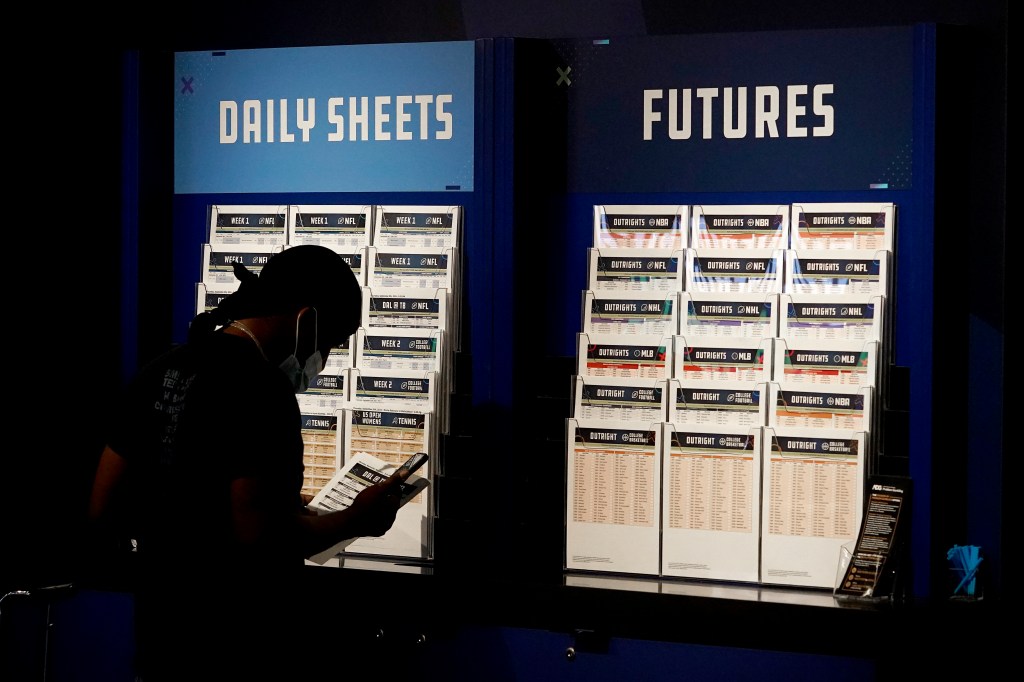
x,y
238,325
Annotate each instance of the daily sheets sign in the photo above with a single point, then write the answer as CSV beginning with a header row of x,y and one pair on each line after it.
x,y
350,118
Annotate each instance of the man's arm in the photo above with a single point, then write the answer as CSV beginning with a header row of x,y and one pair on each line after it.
x,y
110,473
107,535
371,514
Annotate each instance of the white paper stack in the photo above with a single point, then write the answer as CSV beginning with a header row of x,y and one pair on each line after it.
x,y
612,488
838,226
327,393
826,363
704,359
406,309
321,456
836,317
248,227
734,271
717,404
711,502
218,263
418,227
820,407
635,270
740,227
392,435
341,228
854,272
812,501
615,355
729,315
643,400
641,226
630,314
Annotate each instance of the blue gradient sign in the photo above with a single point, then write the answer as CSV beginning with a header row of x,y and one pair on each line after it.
x,y
771,111
351,118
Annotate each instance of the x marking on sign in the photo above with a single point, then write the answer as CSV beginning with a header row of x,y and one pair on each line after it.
x,y
187,87
563,76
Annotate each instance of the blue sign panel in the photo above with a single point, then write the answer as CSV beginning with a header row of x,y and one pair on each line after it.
x,y
391,118
778,111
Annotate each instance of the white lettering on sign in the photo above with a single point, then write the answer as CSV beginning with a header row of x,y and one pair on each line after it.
x,y
671,115
381,118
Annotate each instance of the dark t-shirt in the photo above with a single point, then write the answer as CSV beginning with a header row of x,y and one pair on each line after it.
x,y
193,421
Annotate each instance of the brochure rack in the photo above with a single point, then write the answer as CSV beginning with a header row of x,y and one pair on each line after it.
x,y
766,397
398,367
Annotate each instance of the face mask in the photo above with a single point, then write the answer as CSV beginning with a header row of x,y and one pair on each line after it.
x,y
301,375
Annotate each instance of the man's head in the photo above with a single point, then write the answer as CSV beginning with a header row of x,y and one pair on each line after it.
x,y
305,299
310,276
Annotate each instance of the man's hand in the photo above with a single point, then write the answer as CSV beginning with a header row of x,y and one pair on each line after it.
x,y
375,507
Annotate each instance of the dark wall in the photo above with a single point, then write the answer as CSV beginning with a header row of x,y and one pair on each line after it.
x,y
89,122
